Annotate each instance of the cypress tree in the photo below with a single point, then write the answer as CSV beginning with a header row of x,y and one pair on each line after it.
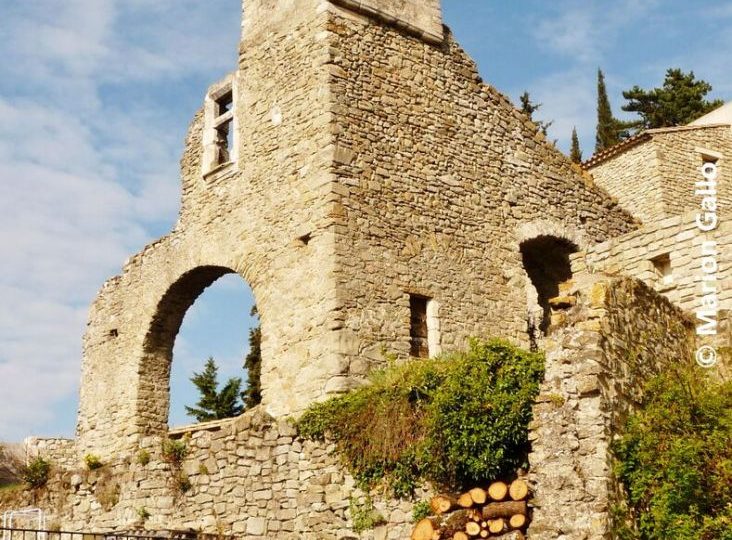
x,y
575,154
607,126
528,107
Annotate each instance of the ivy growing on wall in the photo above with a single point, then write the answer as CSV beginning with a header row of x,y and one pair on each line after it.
x,y
455,420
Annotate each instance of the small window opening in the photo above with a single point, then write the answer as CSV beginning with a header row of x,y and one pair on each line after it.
x,y
418,332
223,125
113,333
662,267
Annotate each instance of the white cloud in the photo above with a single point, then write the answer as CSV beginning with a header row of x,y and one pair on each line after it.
x,y
84,168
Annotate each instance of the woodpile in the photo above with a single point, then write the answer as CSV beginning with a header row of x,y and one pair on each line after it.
x,y
498,511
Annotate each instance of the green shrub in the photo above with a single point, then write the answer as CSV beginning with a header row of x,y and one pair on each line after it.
x,y
35,473
143,457
675,461
421,510
92,462
183,482
364,515
174,451
456,420
143,513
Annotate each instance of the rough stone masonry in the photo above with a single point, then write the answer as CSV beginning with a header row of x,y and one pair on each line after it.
x,y
351,168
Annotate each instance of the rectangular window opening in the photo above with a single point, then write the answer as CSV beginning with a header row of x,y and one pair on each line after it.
x,y
418,331
662,266
224,141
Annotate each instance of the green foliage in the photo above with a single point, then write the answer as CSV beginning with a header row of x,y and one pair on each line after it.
x,y
610,130
35,473
675,461
215,405
421,510
174,451
364,515
456,420
143,457
92,462
528,107
680,100
575,154
143,513
252,396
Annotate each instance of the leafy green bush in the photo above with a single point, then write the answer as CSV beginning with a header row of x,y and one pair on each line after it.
x,y
675,461
454,420
174,451
35,473
92,462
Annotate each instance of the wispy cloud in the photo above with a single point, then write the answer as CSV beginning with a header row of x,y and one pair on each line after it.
x,y
86,169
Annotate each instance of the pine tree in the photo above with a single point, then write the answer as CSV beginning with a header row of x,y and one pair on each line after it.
x,y
680,100
215,405
252,396
528,107
575,154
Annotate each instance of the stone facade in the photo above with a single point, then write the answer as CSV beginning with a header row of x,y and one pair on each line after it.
x,y
354,161
609,337
366,163
653,174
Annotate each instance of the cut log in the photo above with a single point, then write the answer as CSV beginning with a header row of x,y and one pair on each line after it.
x,y
455,522
504,509
497,525
477,495
517,521
465,500
425,529
460,535
442,503
497,491
484,534
472,528
518,490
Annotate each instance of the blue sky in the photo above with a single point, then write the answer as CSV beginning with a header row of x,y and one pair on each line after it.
x,y
95,99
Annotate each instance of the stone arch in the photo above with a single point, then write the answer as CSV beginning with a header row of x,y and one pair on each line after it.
x,y
544,247
153,400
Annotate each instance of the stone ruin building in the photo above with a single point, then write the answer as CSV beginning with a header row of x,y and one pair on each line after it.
x,y
377,195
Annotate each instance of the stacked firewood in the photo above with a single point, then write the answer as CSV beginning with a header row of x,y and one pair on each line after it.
x,y
498,512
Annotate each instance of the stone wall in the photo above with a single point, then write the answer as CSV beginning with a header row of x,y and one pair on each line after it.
x,y
251,477
679,238
653,174
370,164
607,338
441,179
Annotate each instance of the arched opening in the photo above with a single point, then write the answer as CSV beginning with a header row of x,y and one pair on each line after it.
x,y
190,326
546,261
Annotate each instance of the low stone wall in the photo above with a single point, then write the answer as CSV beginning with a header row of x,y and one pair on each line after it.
x,y
608,336
251,477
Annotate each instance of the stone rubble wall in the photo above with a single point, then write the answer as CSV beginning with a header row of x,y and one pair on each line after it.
x,y
608,337
440,177
251,477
